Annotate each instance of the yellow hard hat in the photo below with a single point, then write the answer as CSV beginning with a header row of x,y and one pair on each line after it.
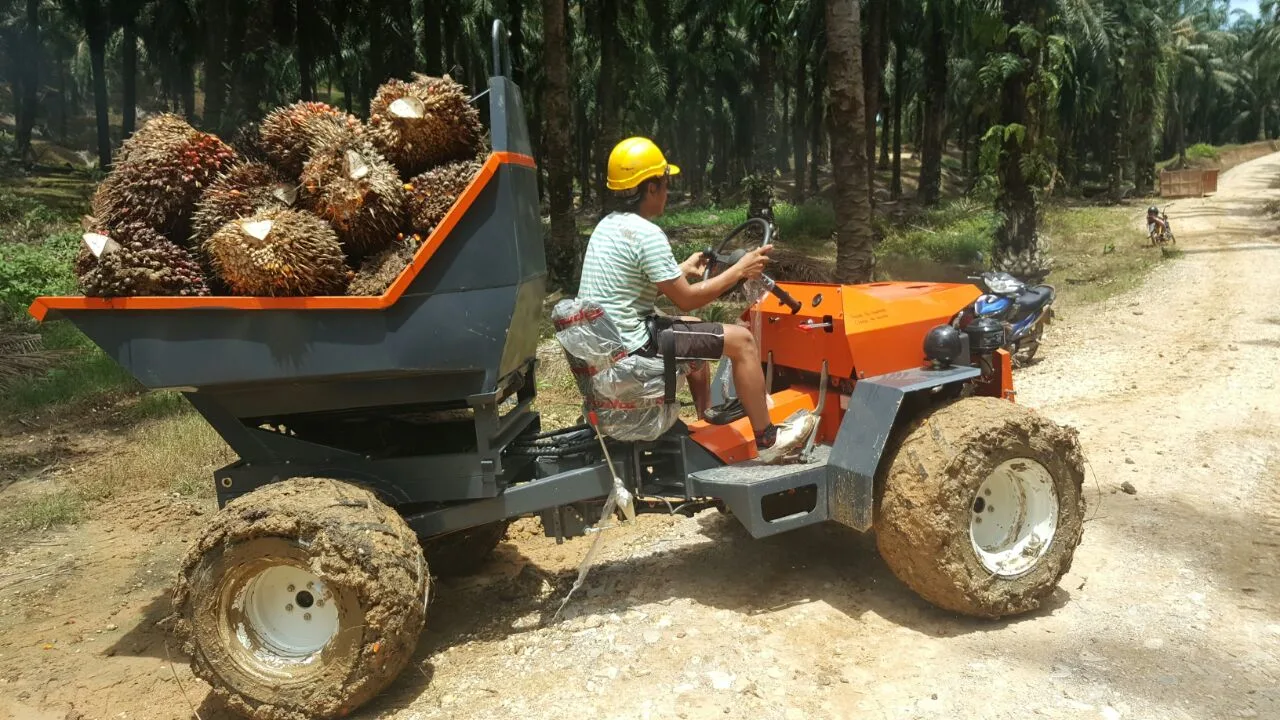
x,y
635,160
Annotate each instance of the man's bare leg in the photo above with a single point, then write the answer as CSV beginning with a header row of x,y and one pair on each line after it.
x,y
700,388
748,377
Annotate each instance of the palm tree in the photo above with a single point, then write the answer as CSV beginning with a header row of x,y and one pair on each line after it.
x,y
562,248
28,79
935,102
855,261
94,20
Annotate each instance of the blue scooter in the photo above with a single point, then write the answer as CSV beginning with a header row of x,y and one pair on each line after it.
x,y
1024,312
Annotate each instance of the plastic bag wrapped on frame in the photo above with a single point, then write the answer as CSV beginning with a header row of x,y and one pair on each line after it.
x,y
627,393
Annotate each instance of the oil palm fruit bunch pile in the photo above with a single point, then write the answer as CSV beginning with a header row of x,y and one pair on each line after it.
x,y
136,260
245,188
292,206
349,184
433,192
287,135
278,252
426,122
379,272
159,174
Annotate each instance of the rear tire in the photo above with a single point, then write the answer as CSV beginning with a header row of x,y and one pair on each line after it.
x,y
982,460
303,599
463,552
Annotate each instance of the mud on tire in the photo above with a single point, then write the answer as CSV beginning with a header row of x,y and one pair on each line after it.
x,y
303,599
938,490
463,552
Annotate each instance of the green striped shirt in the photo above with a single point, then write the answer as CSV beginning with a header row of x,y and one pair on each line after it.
x,y
626,259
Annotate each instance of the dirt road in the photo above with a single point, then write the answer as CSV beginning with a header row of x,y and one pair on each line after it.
x,y
1172,609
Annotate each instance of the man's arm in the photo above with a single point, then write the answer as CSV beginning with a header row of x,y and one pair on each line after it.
x,y
691,296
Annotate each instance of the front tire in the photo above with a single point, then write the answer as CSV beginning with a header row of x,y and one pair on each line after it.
x,y
981,509
303,599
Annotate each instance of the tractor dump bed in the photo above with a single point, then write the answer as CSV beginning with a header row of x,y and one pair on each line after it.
x,y
338,382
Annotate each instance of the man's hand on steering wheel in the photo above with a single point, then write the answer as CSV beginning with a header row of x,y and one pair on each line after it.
x,y
695,265
752,265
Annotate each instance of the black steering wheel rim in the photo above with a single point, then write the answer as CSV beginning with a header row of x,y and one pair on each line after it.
x,y
718,259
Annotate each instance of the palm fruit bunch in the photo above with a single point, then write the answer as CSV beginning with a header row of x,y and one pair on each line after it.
x,y
379,272
428,121
244,189
356,190
159,174
288,135
432,193
136,260
278,252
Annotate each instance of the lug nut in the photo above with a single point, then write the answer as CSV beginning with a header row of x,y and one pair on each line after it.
x,y
290,588
306,616
288,608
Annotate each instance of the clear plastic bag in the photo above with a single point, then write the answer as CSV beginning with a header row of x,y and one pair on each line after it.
x,y
627,393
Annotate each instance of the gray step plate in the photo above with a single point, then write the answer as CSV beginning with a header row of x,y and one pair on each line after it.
x,y
754,472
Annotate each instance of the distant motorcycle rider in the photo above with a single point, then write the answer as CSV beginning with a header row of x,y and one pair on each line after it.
x,y
1155,221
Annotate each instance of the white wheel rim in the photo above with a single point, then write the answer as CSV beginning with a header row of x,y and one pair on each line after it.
x,y
289,615
1013,517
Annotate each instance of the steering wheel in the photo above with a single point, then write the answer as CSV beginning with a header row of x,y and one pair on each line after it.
x,y
722,258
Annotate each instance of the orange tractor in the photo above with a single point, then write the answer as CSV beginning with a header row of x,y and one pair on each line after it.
x,y
381,440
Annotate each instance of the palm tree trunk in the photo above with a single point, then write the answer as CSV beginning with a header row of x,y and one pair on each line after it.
x,y
799,134
935,104
97,33
306,62
1017,240
432,42
762,150
817,119
215,79
873,79
29,80
558,118
855,260
129,79
607,88
899,67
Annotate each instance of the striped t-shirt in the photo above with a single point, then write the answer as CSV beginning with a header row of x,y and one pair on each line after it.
x,y
627,257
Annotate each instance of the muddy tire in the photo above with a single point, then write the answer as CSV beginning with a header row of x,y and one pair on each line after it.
x,y
303,599
981,509
462,553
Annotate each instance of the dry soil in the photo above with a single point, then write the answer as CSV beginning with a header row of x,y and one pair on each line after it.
x,y
1171,609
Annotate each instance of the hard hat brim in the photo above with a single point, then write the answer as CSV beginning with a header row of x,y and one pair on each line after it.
x,y
673,169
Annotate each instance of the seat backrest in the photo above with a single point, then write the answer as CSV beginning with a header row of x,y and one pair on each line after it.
x,y
626,392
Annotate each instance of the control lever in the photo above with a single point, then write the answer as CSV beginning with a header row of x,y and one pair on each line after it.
x,y
783,296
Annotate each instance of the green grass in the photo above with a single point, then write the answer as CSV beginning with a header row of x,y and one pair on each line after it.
x,y
954,233
42,511
85,374
1098,251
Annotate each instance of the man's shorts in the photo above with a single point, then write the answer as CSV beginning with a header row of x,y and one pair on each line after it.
x,y
693,341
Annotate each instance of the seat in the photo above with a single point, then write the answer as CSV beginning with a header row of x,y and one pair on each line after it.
x,y
627,393
1031,301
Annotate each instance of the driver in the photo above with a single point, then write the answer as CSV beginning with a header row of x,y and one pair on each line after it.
x,y
629,261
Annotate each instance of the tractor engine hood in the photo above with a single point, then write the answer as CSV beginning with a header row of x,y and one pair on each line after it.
x,y
860,330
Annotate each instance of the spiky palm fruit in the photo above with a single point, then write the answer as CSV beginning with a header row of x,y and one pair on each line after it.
x,y
432,193
244,189
347,183
159,174
247,141
287,135
379,272
139,261
278,252
424,123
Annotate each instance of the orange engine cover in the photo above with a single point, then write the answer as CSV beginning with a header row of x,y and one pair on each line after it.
x,y
874,329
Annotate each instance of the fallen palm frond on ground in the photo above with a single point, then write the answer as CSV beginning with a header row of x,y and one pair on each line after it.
x,y
21,355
